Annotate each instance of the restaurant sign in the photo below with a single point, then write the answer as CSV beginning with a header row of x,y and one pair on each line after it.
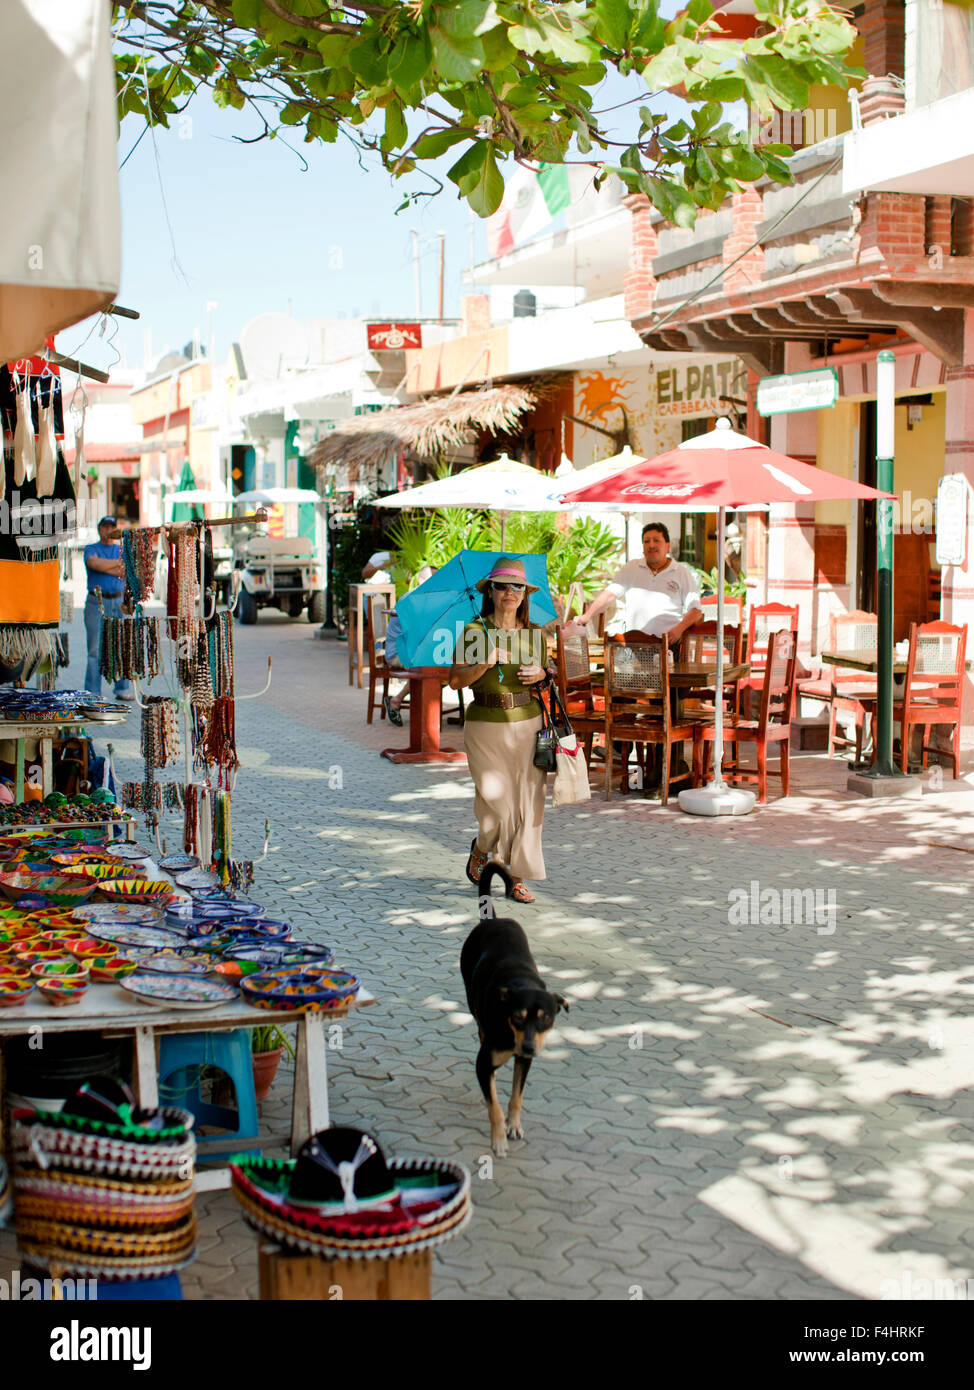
x,y
952,519
393,337
698,389
782,395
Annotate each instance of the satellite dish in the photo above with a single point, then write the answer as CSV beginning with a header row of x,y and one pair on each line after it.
x,y
270,343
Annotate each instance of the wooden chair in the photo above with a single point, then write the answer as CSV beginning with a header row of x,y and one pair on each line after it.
x,y
637,706
764,619
934,688
376,625
733,609
575,687
773,725
700,644
844,691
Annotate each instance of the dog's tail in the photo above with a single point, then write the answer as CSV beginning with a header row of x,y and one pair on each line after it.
x,y
487,875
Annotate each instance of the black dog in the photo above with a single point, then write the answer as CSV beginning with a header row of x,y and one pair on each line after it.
x,y
511,1004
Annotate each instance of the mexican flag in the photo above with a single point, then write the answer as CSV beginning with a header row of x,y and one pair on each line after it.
x,y
531,201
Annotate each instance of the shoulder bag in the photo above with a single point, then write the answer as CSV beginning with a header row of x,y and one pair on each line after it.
x,y
571,771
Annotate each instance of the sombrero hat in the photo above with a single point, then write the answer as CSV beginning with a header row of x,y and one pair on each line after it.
x,y
508,571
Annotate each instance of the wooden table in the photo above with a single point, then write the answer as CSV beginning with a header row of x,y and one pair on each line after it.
x,y
112,1010
425,708
357,593
45,731
699,675
864,660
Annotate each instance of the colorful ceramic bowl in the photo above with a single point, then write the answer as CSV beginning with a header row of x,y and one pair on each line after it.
x,y
83,856
84,946
12,968
14,990
61,935
59,889
59,990
34,951
135,890
107,969
11,935
69,970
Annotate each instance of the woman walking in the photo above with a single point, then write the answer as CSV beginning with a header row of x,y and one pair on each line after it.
x,y
501,656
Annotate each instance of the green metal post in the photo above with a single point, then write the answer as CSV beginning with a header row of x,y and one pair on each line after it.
x,y
885,416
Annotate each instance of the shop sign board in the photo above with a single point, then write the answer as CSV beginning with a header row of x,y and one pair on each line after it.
x,y
952,492
782,395
393,337
697,389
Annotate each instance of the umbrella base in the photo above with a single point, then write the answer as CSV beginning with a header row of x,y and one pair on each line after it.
x,y
716,801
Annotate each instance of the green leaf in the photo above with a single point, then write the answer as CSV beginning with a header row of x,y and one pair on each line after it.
x,y
367,63
458,60
672,200
707,117
247,13
410,60
699,10
468,19
614,22
667,69
468,166
437,143
396,133
486,194
787,87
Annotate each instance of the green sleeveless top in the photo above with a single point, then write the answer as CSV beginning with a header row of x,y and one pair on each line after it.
x,y
518,647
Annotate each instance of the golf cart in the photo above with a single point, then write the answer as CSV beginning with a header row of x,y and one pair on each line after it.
x,y
276,572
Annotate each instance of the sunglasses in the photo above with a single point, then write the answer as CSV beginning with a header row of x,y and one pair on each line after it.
x,y
514,588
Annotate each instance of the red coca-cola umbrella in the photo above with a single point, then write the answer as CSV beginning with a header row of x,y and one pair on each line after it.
x,y
712,472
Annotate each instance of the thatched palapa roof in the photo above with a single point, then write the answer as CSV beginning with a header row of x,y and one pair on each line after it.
x,y
428,430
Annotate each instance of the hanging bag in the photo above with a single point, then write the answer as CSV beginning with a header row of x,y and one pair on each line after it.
x,y
546,746
571,771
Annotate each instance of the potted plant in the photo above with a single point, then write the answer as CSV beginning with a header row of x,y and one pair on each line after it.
x,y
266,1045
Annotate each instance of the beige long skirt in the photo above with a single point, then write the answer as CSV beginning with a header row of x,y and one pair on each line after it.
x,y
509,804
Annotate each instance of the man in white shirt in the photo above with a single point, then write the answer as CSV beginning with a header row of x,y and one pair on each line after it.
x,y
662,596
374,571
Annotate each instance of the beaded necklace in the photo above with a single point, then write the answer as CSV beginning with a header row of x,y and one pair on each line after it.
x,y
139,555
190,818
160,732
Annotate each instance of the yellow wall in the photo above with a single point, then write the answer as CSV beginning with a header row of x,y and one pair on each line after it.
x,y
919,464
837,451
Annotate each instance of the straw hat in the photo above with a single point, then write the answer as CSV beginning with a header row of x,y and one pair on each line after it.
x,y
508,571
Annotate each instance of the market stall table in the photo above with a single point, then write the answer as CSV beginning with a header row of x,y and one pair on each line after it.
x,y
45,732
425,709
108,1009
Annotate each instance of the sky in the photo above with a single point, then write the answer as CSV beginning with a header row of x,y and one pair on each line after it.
x,y
216,231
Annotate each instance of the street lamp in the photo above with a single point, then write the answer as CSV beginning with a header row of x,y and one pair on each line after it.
x,y
885,449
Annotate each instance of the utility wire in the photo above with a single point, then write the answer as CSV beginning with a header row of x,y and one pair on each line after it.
x,y
678,308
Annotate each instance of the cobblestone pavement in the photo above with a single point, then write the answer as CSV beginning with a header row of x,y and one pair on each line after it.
x,y
732,1108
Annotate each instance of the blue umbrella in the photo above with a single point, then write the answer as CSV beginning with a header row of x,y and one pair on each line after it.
x,y
434,615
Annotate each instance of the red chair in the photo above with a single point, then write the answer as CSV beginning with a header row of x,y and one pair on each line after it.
x,y
733,609
773,725
699,643
583,704
842,690
764,619
934,687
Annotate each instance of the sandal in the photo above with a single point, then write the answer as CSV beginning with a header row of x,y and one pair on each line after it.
x,y
392,711
519,893
476,863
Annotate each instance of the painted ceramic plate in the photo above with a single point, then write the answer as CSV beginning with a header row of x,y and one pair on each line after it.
x,y
178,962
127,851
131,934
178,862
116,912
173,990
198,878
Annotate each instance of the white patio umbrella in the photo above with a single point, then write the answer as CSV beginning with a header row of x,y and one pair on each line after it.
x,y
197,497
276,496
503,486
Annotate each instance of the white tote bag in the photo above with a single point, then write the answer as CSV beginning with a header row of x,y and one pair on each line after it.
x,y
571,773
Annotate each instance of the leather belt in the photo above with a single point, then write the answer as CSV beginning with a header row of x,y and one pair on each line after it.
x,y
505,699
